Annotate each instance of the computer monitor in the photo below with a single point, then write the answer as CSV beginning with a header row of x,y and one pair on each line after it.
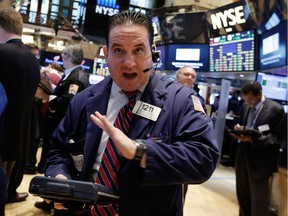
x,y
232,52
274,84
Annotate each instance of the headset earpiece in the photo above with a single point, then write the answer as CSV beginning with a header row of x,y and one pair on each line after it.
x,y
156,56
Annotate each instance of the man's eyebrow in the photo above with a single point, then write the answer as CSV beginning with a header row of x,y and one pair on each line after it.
x,y
141,44
115,45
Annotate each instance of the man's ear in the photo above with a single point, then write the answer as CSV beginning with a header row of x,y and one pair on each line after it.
x,y
105,51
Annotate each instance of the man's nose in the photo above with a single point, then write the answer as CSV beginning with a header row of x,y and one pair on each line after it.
x,y
129,59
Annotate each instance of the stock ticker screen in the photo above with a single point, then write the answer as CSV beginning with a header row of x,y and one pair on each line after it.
x,y
232,52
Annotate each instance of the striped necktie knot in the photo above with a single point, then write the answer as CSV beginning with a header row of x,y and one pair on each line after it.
x,y
131,94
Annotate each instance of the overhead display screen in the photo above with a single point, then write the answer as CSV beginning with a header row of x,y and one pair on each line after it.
x,y
193,55
177,28
273,47
232,52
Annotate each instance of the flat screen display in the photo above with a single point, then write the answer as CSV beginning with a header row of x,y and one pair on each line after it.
x,y
265,14
274,86
232,52
182,28
273,47
193,55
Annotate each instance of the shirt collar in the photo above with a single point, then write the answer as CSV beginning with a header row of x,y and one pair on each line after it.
x,y
116,89
260,103
69,70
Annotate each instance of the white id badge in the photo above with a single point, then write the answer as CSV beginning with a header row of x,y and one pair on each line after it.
x,y
146,110
78,161
263,128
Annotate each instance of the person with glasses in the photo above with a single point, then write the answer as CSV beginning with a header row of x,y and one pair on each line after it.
x,y
146,129
186,76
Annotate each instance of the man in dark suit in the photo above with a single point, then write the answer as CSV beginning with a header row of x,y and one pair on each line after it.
x,y
170,140
3,187
256,157
20,76
73,82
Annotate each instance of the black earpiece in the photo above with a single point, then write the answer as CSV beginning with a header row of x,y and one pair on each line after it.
x,y
156,56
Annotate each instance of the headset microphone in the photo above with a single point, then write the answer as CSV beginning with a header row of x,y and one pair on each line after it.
x,y
156,57
147,69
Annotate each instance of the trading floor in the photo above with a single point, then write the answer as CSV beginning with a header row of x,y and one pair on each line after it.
x,y
216,197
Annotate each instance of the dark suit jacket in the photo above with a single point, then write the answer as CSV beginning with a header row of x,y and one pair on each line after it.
x,y
60,103
186,152
20,76
263,152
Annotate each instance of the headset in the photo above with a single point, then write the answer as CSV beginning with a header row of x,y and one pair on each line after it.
x,y
156,57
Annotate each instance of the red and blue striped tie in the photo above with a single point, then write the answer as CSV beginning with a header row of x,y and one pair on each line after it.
x,y
111,158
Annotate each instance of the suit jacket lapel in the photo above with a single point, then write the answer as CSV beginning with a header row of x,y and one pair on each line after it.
x,y
261,115
153,95
245,114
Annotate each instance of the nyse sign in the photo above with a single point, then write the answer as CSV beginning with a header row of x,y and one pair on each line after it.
x,y
107,7
228,18
106,10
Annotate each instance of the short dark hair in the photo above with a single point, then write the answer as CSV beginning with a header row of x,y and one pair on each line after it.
x,y
251,87
131,18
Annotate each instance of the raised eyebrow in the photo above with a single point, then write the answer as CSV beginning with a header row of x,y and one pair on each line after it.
x,y
142,45
115,45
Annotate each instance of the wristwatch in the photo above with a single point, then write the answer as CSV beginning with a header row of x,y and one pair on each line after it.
x,y
141,149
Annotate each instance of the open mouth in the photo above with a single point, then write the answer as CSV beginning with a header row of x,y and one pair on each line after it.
x,y
129,75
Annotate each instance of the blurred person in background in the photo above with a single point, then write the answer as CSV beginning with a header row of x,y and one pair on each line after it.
x,y
50,76
256,157
20,77
74,81
282,170
3,186
187,76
